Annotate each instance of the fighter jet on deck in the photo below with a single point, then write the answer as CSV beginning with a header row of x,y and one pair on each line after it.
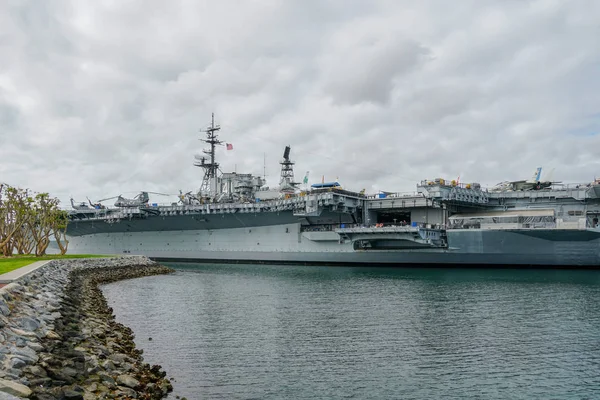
x,y
534,183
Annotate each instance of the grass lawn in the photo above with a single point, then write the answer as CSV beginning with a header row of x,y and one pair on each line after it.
x,y
8,264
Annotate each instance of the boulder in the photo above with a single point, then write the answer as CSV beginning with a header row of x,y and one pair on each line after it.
x,y
29,324
14,388
127,380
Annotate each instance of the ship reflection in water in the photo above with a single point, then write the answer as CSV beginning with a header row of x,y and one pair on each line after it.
x,y
288,332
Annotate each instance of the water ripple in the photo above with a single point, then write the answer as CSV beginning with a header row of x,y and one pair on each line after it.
x,y
270,332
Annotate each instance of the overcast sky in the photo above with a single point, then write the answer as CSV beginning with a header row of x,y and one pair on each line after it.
x,y
103,98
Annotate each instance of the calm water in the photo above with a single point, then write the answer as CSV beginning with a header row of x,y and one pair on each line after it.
x,y
286,332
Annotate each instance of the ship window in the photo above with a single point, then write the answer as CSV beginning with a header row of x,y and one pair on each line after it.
x,y
576,212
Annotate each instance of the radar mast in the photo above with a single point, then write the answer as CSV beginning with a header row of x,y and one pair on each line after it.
x,y
286,182
209,182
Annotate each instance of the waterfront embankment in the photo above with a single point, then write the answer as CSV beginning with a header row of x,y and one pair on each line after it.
x,y
59,339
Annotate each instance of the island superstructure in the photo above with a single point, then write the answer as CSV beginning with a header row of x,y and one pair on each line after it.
x,y
235,218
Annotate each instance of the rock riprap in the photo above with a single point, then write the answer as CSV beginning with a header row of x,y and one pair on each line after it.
x,y
59,339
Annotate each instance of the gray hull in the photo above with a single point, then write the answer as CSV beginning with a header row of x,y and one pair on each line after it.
x,y
286,243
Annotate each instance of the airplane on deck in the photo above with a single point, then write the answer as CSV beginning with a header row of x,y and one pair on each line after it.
x,y
188,198
326,185
534,183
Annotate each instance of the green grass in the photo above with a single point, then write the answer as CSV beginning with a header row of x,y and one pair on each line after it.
x,y
8,264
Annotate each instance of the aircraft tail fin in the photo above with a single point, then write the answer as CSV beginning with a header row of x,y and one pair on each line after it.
x,y
536,175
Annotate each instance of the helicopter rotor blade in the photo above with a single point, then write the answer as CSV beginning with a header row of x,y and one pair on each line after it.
x,y
162,194
109,198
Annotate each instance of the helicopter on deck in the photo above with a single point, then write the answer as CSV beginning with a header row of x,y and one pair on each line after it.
x,y
140,200
97,205
79,206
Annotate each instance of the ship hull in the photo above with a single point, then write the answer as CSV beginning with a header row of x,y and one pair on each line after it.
x,y
288,243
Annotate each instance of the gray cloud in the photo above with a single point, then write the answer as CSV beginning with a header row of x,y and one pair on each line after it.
x,y
99,99
365,69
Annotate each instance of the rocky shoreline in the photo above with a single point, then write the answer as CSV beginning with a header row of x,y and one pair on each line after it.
x,y
59,339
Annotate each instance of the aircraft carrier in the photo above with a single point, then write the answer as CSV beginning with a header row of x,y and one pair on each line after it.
x,y
234,218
